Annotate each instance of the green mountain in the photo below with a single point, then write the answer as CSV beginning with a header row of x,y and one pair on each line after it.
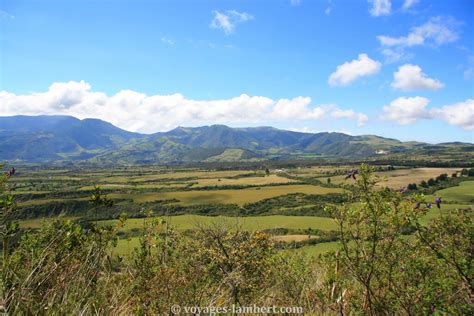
x,y
65,138
46,138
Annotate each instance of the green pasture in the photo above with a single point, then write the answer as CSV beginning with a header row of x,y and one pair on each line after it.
x,y
240,196
185,222
463,193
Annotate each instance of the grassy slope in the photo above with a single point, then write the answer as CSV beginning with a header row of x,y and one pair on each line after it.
x,y
239,197
183,222
462,193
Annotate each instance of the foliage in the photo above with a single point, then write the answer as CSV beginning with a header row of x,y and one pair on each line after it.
x,y
387,263
394,273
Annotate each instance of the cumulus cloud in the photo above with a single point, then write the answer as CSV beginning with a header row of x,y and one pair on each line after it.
x,y
139,112
226,21
408,110
411,77
350,71
437,31
407,4
461,114
350,114
380,7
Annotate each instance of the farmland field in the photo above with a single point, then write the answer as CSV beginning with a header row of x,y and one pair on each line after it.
x,y
239,197
253,191
183,222
462,193
400,178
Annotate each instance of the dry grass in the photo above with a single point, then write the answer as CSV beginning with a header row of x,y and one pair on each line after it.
x,y
399,178
290,238
271,179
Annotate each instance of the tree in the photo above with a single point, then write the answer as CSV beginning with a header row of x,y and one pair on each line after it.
x,y
380,271
442,177
328,181
431,182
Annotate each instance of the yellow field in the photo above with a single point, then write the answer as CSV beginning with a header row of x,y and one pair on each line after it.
x,y
174,175
136,186
271,179
400,178
290,238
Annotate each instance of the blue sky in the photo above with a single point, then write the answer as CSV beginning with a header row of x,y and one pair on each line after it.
x,y
406,68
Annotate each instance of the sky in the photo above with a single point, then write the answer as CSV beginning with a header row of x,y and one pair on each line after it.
x,y
396,68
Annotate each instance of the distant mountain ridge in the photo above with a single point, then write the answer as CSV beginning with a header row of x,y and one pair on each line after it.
x,y
65,138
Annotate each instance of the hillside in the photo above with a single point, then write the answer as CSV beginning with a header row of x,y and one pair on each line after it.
x,y
65,138
44,138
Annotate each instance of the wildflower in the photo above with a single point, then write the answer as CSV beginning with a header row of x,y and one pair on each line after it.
x,y
11,172
352,174
438,202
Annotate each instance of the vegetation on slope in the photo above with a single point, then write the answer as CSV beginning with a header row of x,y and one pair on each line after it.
x,y
92,141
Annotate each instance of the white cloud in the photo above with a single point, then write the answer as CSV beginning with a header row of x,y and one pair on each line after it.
x,y
409,110
406,110
407,4
461,114
167,41
380,7
136,111
295,3
328,8
395,55
6,15
350,114
350,71
437,31
298,108
227,21
311,130
469,70
411,77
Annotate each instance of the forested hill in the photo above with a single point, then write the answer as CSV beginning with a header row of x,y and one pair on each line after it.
x,y
65,138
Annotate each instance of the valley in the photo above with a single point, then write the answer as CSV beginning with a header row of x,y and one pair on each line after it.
x,y
289,203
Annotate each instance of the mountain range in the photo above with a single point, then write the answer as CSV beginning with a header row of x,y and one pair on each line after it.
x,y
66,138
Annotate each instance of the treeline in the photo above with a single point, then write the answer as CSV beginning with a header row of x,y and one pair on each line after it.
x,y
442,181
290,204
